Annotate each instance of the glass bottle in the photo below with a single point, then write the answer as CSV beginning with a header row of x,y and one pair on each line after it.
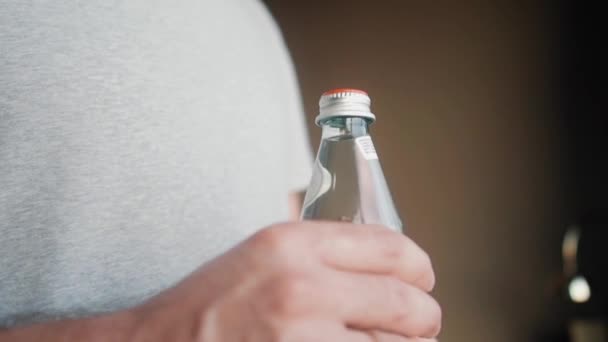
x,y
348,183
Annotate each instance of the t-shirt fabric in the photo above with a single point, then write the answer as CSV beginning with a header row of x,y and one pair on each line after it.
x,y
138,139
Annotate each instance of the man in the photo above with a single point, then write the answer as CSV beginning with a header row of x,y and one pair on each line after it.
x,y
141,140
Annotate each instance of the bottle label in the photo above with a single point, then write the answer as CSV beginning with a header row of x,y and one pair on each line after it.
x,y
367,147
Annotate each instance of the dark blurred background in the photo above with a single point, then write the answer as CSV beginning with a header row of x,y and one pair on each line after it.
x,y
492,135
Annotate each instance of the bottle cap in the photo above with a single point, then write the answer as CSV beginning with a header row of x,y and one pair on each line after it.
x,y
344,102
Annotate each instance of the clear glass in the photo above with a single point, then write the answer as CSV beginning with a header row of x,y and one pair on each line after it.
x,y
348,183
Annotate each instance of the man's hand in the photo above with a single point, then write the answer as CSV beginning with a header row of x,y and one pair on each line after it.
x,y
293,282
303,282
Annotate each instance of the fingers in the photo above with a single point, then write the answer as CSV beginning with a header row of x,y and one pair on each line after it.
x,y
348,247
379,336
322,331
374,249
327,331
371,302
374,280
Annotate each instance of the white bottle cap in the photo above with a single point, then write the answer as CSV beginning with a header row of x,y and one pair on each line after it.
x,y
344,102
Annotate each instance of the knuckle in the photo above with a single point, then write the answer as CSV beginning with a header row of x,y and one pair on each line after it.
x,y
396,247
291,293
401,316
276,333
400,297
291,285
275,239
285,331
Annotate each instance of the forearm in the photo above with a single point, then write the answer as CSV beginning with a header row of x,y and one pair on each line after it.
x,y
116,327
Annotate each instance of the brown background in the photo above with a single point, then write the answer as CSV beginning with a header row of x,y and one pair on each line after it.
x,y
467,138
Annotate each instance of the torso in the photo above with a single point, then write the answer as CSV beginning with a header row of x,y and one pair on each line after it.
x,y
137,141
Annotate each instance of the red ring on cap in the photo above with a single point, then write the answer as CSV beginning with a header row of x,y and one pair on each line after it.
x,y
344,90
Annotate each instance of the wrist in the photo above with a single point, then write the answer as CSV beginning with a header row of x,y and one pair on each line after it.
x,y
119,327
161,321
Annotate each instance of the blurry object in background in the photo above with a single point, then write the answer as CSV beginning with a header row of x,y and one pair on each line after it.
x,y
582,100
588,331
578,290
348,183
585,259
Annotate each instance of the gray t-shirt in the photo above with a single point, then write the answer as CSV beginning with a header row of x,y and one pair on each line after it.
x,y
138,139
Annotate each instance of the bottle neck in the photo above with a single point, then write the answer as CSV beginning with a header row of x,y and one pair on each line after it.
x,y
349,127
